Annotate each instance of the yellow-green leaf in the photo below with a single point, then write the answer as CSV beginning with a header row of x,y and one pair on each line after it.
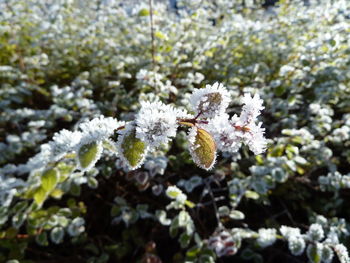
x,y
56,193
203,149
89,154
40,195
144,12
190,204
49,179
133,149
160,35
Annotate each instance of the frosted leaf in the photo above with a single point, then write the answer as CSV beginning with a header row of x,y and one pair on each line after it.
x,y
202,148
251,108
132,151
57,234
76,227
314,252
225,135
175,193
210,101
99,129
296,245
288,232
255,139
266,237
251,135
315,232
88,154
63,142
156,123
327,254
342,253
9,188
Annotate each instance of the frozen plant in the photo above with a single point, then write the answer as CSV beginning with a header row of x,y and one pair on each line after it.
x,y
156,124
266,237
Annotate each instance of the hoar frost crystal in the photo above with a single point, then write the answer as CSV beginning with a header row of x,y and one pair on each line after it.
x,y
211,129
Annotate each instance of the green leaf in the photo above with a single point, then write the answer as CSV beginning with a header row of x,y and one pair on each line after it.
x,y
92,182
193,252
184,240
190,204
280,90
40,195
144,12
89,154
75,189
57,234
109,146
57,193
64,170
133,149
313,253
159,35
49,179
18,219
41,239
251,194
237,215
203,150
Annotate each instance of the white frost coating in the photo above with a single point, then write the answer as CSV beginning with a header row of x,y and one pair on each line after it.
x,y
98,129
251,108
252,134
230,134
64,141
267,236
129,127
288,232
156,123
255,139
193,146
207,106
174,192
9,188
315,232
224,134
342,253
296,245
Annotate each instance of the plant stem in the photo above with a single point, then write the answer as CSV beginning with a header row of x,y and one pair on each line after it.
x,y
152,39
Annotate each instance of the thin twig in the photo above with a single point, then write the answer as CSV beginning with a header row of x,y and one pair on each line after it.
x,y
152,40
214,204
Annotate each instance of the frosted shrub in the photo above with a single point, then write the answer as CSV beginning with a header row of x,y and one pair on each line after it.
x,y
154,125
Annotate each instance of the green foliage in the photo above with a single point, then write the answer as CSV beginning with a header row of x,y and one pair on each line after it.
x,y
88,154
133,148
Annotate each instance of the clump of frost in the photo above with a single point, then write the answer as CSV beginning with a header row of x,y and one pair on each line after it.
x,y
156,123
210,101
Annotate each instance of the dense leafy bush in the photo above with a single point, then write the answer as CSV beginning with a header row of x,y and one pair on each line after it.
x,y
84,82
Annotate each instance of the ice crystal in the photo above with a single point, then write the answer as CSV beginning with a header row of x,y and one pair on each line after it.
x,y
266,237
156,123
210,101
